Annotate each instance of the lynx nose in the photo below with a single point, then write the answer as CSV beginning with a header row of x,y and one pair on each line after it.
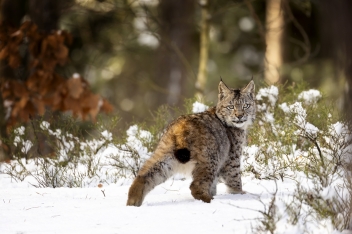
x,y
239,116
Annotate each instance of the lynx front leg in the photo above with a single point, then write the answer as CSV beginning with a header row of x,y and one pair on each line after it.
x,y
202,187
213,186
231,175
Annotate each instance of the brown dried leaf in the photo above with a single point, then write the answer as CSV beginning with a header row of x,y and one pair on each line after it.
x,y
72,104
90,100
106,106
4,53
61,53
14,61
22,102
52,40
28,25
16,108
90,105
6,93
17,37
19,89
67,36
49,63
39,106
54,101
43,48
75,87
28,110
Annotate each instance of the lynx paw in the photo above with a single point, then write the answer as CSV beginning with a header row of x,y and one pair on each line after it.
x,y
135,194
235,191
134,202
200,195
205,198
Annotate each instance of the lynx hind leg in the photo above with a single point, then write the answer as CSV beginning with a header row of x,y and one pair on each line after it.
x,y
136,192
153,173
202,187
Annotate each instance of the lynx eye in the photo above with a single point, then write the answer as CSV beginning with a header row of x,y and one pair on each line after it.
x,y
230,107
246,106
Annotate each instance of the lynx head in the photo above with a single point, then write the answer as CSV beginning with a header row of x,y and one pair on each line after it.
x,y
236,107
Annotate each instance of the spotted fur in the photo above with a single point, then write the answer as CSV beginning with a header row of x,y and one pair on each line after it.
x,y
207,144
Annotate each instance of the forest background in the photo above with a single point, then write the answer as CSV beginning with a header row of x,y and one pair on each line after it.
x,y
129,57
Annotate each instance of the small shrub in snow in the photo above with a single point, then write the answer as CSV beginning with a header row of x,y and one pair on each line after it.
x,y
76,161
131,155
72,161
298,135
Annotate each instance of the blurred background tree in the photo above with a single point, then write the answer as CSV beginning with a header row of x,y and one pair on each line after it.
x,y
140,54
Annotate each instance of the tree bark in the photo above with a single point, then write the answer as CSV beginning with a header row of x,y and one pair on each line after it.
x,y
176,30
335,24
12,12
274,33
45,14
204,50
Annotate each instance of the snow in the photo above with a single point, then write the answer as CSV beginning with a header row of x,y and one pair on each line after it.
x,y
311,129
76,76
300,118
19,130
44,125
199,107
168,208
27,145
310,97
135,140
18,140
271,93
107,135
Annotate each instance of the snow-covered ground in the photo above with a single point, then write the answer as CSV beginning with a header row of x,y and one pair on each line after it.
x,y
169,208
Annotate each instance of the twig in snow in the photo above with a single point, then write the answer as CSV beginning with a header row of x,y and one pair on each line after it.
x,y
33,207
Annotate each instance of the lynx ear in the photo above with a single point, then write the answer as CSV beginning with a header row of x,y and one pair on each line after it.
x,y
223,90
250,88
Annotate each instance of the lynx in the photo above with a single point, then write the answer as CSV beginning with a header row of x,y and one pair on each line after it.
x,y
207,144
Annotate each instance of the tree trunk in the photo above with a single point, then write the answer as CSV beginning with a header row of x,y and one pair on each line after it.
x,y
274,33
204,49
176,48
45,14
336,21
335,24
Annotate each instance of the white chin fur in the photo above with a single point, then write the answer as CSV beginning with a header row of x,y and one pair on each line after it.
x,y
243,125
240,125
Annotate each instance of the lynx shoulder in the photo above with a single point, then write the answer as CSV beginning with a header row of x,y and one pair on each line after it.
x,y
208,145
